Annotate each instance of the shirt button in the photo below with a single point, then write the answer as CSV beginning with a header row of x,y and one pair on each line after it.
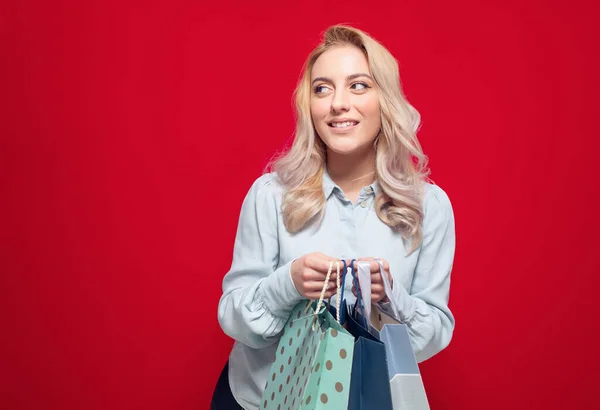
x,y
368,190
363,204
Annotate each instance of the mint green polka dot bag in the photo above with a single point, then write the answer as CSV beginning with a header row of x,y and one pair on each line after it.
x,y
313,361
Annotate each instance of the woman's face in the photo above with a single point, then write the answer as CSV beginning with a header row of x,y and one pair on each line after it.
x,y
344,101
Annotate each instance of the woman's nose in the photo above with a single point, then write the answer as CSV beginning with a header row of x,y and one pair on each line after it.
x,y
340,102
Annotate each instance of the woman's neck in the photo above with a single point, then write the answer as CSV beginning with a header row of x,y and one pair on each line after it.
x,y
352,172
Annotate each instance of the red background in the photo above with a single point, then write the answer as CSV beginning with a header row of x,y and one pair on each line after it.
x,y
132,130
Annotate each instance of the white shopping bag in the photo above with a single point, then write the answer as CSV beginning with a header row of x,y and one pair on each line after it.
x,y
406,384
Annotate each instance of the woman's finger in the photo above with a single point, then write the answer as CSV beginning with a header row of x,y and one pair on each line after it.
x,y
375,268
364,258
313,275
376,278
376,272
386,265
330,293
321,264
316,286
316,294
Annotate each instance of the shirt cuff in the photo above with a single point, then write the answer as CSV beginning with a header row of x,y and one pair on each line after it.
x,y
280,295
404,303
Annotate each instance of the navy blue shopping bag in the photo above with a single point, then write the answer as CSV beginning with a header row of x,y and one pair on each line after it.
x,y
369,381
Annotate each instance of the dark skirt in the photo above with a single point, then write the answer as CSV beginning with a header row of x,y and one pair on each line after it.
x,y
222,397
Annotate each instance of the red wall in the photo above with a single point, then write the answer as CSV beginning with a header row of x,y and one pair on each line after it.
x,y
132,130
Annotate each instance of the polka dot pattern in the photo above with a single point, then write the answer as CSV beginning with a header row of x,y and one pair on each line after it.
x,y
312,366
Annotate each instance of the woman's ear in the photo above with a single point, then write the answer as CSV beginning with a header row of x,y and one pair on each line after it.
x,y
377,138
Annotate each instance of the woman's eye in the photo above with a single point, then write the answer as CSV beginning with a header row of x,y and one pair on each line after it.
x,y
360,86
319,89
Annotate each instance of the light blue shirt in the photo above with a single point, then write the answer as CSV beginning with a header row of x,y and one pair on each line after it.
x,y
259,294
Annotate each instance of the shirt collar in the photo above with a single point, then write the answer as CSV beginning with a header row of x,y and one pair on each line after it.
x,y
329,186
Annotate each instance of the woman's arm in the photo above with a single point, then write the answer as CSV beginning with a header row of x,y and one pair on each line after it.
x,y
258,296
424,308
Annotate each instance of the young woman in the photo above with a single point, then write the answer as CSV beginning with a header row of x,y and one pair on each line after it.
x,y
353,185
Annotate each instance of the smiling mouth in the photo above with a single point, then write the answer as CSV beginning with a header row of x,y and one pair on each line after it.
x,y
344,124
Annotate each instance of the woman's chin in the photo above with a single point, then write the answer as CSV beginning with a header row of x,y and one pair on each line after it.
x,y
348,149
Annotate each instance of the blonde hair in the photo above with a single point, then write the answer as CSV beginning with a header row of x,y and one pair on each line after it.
x,y
401,166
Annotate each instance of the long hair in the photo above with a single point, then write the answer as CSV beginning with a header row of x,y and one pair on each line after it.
x,y
401,166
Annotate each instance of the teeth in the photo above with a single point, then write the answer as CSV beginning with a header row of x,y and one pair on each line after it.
x,y
343,124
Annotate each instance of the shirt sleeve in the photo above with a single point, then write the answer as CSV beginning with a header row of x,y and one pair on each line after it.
x,y
258,295
424,309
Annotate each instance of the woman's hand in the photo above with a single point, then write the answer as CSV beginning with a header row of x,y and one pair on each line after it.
x,y
309,273
377,289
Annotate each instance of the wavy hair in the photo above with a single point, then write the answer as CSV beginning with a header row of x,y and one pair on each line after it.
x,y
401,166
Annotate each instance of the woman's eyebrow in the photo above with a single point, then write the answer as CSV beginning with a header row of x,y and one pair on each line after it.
x,y
349,78
353,76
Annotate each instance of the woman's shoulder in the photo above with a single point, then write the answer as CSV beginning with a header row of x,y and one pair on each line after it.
x,y
267,185
435,199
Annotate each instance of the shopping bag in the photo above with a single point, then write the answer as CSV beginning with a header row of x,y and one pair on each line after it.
x,y
406,384
369,385
313,361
